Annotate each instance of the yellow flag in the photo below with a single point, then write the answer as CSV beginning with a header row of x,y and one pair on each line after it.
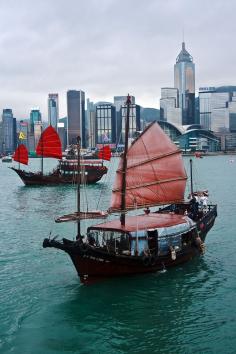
x,y
22,136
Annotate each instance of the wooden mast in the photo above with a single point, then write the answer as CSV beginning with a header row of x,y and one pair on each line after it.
x,y
191,176
18,152
42,150
124,168
78,185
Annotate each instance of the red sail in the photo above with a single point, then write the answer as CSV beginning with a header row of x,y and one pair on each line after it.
x,y
21,154
155,172
49,144
105,153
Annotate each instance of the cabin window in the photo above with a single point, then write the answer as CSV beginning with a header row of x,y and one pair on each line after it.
x,y
112,241
166,242
139,243
153,241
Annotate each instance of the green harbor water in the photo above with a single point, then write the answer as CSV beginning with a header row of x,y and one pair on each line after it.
x,y
44,309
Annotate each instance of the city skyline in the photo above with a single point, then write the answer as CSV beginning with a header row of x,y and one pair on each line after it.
x,y
109,50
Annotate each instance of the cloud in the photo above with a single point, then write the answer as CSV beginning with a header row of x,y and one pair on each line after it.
x,y
109,48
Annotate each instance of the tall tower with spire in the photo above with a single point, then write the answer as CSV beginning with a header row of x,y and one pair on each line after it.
x,y
184,81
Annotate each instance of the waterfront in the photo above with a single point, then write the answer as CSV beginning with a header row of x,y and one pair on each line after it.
x,y
44,308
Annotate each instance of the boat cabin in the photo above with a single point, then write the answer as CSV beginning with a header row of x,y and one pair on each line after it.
x,y
144,235
70,166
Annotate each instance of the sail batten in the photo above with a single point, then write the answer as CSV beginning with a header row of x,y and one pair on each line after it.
x,y
155,172
152,159
152,183
142,206
49,144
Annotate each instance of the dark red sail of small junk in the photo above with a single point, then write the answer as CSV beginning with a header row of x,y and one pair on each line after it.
x,y
49,144
150,174
21,154
105,153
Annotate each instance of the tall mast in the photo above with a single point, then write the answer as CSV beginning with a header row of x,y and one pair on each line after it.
x,y
191,176
124,168
42,150
78,185
18,152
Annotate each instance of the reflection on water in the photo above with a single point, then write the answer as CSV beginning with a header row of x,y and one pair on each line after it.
x,y
44,308
136,313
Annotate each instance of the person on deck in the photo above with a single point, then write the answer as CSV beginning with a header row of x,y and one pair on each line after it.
x,y
193,208
147,211
204,199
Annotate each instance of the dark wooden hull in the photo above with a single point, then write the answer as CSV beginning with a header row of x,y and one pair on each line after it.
x,y
93,263
93,175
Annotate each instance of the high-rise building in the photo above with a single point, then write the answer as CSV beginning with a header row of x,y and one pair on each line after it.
x,y
105,123
53,110
120,101
23,133
62,134
9,139
35,116
217,108
134,122
232,113
169,105
77,125
1,138
184,81
91,119
38,129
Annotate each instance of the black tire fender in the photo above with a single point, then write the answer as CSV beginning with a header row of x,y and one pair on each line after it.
x,y
146,261
152,260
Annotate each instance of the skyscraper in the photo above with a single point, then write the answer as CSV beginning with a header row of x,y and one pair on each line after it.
x,y
134,122
120,101
8,131
218,108
23,132
105,123
53,109
76,117
35,116
184,81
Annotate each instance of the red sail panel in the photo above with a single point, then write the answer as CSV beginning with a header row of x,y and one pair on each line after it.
x,y
49,144
21,154
155,172
105,153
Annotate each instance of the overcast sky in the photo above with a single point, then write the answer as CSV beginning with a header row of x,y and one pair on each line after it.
x,y
109,47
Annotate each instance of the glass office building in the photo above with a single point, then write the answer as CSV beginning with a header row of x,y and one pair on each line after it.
x,y
76,118
35,116
169,100
53,110
8,131
134,122
217,108
105,123
184,81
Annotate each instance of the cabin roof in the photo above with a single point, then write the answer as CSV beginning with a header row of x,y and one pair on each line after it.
x,y
82,161
142,222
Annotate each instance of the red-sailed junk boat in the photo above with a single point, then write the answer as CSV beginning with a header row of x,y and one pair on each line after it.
x,y
49,145
151,173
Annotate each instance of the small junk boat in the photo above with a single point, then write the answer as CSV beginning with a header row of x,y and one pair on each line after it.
x,y
7,158
49,145
151,173
198,155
